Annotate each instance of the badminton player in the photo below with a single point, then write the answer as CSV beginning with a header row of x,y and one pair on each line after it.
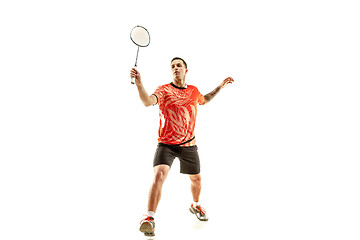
x,y
178,108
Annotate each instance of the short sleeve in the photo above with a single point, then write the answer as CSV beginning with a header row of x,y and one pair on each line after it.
x,y
159,94
201,98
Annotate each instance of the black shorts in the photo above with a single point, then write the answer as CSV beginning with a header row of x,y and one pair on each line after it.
x,y
188,156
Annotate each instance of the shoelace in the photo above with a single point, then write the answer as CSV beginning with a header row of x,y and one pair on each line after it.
x,y
201,210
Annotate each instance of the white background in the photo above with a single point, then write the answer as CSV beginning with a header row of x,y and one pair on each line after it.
x,y
279,147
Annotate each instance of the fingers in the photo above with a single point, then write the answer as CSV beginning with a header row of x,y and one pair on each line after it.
x,y
229,80
226,82
133,72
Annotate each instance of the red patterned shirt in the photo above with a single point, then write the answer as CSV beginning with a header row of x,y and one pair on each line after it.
x,y
178,109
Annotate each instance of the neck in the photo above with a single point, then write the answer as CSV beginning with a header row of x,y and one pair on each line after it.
x,y
179,82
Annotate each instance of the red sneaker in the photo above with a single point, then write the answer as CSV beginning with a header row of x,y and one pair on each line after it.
x,y
147,226
199,212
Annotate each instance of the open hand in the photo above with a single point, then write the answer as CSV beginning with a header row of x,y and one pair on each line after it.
x,y
226,82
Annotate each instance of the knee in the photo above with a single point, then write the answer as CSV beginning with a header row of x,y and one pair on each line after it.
x,y
196,179
159,177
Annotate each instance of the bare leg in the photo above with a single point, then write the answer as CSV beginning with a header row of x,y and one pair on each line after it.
x,y
195,186
160,174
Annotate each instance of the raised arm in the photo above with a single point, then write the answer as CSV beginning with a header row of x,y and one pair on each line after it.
x,y
208,97
145,98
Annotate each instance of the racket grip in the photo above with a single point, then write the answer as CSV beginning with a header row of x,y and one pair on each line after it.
x,y
133,79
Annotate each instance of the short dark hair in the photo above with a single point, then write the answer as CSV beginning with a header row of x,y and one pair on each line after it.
x,y
177,58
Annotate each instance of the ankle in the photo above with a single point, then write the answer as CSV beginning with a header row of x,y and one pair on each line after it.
x,y
151,214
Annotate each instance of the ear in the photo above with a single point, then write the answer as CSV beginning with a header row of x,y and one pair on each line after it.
x,y
186,71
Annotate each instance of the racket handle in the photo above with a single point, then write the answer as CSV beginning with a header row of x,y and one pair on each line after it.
x,y
133,79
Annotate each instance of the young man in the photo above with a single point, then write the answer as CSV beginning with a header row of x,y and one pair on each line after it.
x,y
178,108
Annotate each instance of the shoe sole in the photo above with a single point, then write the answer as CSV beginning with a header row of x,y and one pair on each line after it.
x,y
193,212
146,228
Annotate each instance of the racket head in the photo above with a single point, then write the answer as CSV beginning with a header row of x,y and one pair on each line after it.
x,y
140,36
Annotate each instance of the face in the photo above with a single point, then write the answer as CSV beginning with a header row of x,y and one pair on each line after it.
x,y
178,69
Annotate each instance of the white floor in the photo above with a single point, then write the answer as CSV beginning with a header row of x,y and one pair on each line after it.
x,y
269,205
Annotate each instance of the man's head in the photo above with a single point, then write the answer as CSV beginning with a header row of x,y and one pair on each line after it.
x,y
177,58
178,68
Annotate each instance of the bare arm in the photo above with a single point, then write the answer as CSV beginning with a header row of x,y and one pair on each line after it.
x,y
145,98
208,97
